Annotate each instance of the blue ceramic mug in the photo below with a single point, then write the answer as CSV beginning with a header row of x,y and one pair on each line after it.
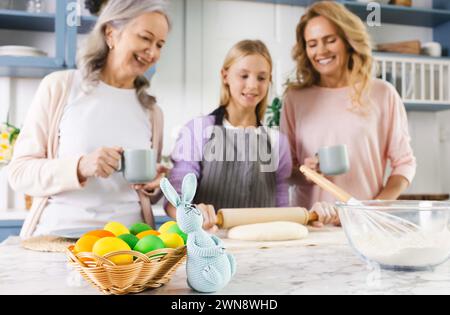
x,y
333,160
138,165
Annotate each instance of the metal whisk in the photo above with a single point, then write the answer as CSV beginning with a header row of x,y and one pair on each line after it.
x,y
375,220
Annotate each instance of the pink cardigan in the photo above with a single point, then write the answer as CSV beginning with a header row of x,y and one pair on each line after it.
x,y
34,169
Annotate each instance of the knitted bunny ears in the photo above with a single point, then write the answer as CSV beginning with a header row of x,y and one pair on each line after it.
x,y
188,190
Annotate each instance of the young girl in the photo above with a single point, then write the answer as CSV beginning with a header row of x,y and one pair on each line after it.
x,y
238,162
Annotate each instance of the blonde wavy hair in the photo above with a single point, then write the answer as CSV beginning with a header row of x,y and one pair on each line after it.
x,y
92,58
241,49
353,32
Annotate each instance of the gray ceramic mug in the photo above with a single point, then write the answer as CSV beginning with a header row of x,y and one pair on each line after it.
x,y
333,160
138,165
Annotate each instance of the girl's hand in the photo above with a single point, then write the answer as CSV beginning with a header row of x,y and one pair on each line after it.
x,y
327,213
103,162
209,217
312,163
154,184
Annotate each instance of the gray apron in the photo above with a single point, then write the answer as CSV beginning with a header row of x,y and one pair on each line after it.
x,y
231,170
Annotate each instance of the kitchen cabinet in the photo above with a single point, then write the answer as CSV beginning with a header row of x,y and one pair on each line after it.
x,y
66,23
37,66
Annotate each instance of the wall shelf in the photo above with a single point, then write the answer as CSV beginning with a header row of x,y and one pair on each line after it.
x,y
397,55
30,67
424,107
35,67
22,20
396,14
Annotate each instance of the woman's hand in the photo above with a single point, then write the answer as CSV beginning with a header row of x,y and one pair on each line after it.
x,y
313,164
101,163
154,184
327,214
209,217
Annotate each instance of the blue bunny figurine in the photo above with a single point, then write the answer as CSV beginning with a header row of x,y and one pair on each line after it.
x,y
209,268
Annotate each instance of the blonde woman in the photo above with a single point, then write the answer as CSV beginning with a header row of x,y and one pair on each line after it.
x,y
335,101
81,120
238,163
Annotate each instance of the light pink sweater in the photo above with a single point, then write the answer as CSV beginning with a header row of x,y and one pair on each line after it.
x,y
316,116
36,171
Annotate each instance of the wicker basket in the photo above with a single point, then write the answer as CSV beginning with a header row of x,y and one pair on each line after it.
x,y
149,271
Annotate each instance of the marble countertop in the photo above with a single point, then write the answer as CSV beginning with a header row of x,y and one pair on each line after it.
x,y
323,263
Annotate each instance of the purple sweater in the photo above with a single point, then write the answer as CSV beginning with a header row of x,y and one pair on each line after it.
x,y
188,154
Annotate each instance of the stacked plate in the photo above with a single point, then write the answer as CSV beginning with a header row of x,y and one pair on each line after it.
x,y
21,51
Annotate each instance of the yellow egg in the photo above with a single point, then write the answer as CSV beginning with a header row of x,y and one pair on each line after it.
x,y
172,240
116,228
85,243
163,228
107,245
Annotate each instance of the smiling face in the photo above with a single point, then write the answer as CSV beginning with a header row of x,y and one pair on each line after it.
x,y
326,50
137,46
248,80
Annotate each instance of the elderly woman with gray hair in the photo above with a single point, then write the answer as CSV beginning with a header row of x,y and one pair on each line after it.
x,y
80,121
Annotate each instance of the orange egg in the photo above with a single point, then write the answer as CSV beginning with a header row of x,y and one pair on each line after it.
x,y
149,232
85,243
100,233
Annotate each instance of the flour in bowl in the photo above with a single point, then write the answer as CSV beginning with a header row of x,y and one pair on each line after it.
x,y
414,249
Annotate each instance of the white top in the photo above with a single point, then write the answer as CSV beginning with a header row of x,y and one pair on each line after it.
x,y
106,117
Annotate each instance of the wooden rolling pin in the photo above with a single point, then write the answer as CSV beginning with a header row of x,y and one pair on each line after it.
x,y
228,218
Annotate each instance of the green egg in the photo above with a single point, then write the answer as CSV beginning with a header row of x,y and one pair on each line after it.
x,y
148,244
139,227
130,239
176,229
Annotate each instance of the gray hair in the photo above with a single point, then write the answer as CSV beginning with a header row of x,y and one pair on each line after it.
x,y
117,13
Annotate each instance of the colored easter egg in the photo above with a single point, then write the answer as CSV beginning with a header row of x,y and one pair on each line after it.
x,y
108,245
164,227
130,239
145,233
85,243
116,228
176,229
148,244
171,240
100,233
139,227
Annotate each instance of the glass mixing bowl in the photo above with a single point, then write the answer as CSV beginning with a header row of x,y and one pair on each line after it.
x,y
400,235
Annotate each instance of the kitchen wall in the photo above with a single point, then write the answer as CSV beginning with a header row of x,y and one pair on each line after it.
x,y
187,79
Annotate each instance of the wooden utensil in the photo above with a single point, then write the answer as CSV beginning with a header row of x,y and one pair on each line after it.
x,y
325,184
228,218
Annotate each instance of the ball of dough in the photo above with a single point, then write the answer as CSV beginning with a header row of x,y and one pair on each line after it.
x,y
271,231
